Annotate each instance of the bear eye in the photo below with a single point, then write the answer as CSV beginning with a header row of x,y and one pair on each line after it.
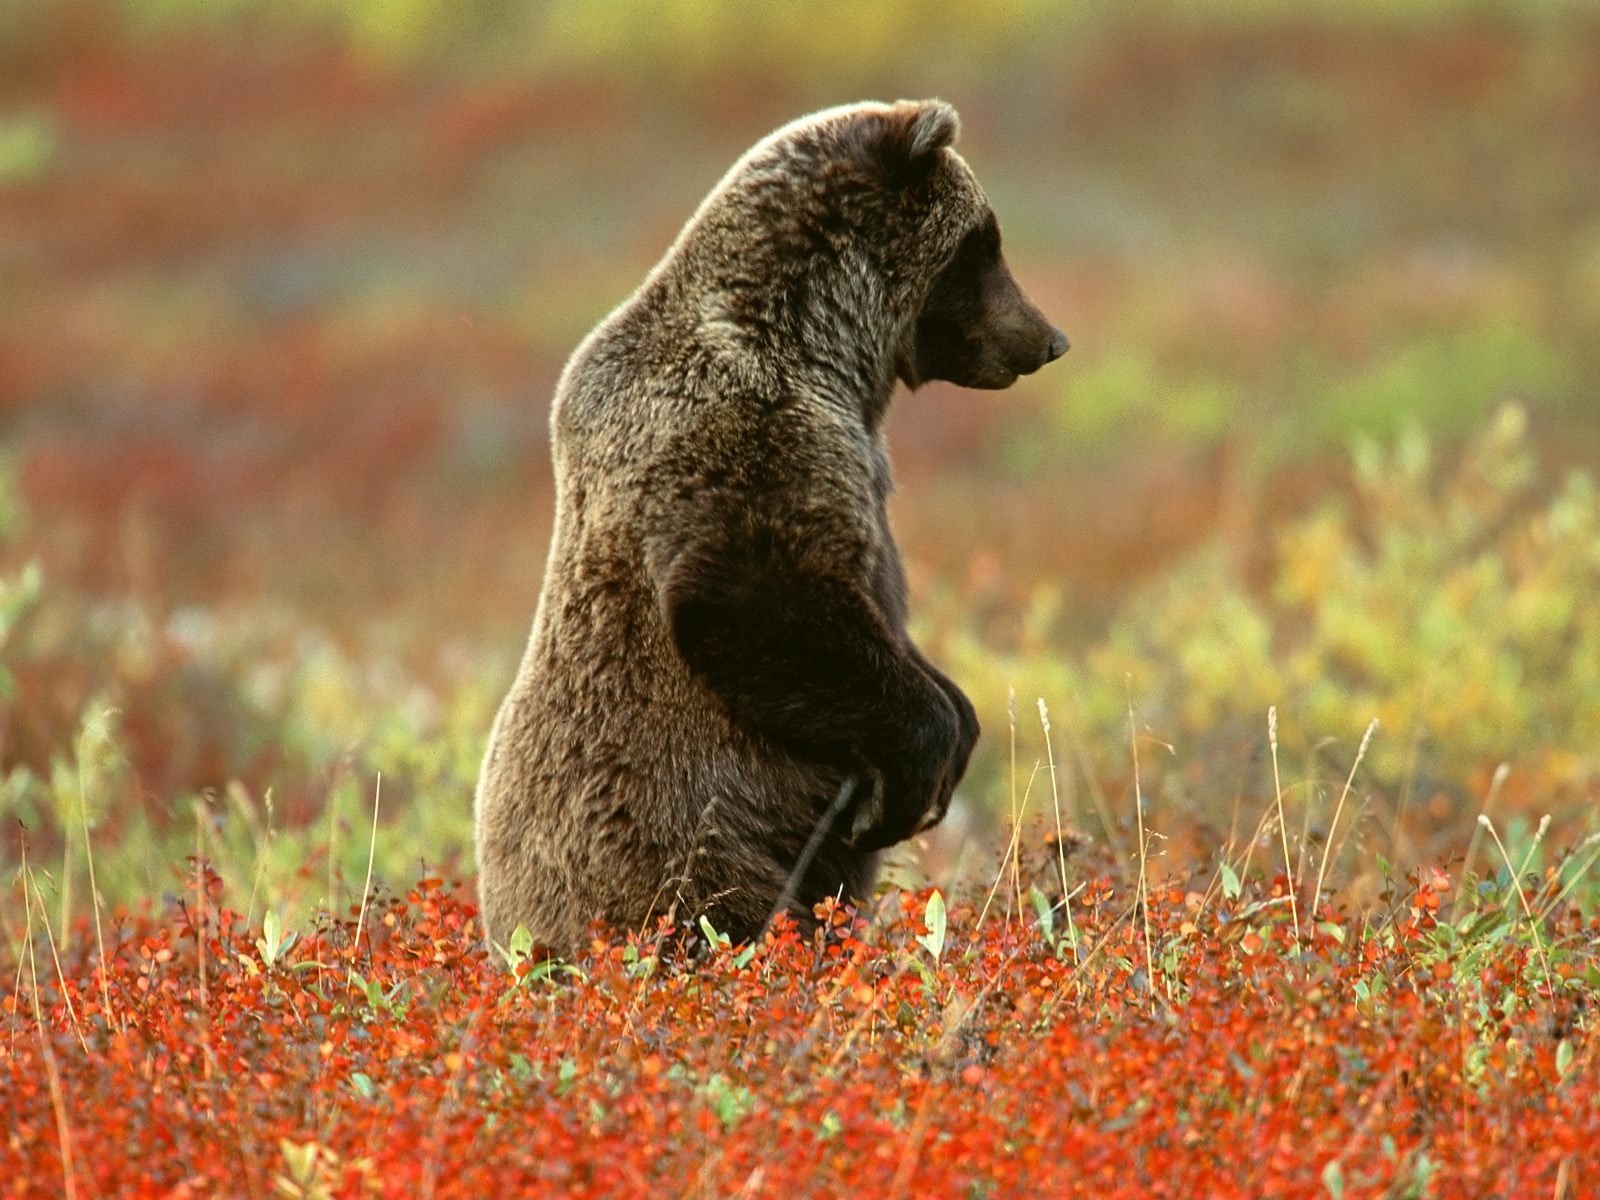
x,y
980,247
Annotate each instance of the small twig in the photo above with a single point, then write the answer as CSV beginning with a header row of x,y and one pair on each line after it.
x,y
27,934
1010,856
1144,890
202,918
1283,828
913,1147
847,793
372,850
1061,840
1306,808
1094,951
1577,876
94,889
333,857
1016,816
1500,775
263,850
1534,843
1533,922
1097,794
50,940
1322,867
1256,834
1563,1179
69,1182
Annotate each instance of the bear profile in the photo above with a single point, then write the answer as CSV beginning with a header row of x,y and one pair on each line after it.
x,y
720,712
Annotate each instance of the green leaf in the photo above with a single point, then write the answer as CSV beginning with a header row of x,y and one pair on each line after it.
x,y
1042,909
518,947
273,943
565,1075
299,1159
521,942
1333,1179
1230,883
731,1102
1563,1057
935,919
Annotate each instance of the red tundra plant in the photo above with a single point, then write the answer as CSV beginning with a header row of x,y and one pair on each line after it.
x,y
1204,1047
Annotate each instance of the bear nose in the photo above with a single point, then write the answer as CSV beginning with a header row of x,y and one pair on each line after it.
x,y
1058,346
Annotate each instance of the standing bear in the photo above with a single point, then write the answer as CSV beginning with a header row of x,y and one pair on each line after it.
x,y
720,712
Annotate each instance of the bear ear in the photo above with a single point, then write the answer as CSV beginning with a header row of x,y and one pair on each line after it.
x,y
908,135
916,130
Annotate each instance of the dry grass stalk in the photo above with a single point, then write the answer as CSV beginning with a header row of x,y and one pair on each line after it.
x,y
1322,868
1283,828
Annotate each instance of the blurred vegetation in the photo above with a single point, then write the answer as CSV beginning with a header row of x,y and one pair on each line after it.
x,y
1451,604
286,286
698,36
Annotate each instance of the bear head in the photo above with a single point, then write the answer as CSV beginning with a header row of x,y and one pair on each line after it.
x,y
974,326
872,226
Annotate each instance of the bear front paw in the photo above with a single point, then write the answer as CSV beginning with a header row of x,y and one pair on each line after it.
x,y
915,792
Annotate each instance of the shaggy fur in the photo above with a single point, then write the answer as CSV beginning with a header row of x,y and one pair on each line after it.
x,y
719,711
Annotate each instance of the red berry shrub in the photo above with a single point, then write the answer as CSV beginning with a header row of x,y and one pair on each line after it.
x,y
880,1058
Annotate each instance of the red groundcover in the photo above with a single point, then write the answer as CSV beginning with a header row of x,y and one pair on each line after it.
x,y
1201,1052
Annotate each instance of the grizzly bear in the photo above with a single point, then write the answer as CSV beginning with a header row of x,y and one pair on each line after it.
x,y
720,712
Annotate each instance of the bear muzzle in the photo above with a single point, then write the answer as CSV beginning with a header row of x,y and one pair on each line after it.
x,y
1043,354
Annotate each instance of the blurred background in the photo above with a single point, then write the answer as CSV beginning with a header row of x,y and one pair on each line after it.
x,y
285,286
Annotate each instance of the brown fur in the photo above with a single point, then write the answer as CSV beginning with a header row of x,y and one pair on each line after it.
x,y
719,708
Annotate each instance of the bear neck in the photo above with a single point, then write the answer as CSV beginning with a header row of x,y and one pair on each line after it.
x,y
821,327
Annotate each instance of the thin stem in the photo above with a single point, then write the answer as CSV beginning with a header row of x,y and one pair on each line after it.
x,y
1500,775
1011,851
1533,922
1061,846
1144,893
1283,828
1016,817
1322,867
94,888
372,850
